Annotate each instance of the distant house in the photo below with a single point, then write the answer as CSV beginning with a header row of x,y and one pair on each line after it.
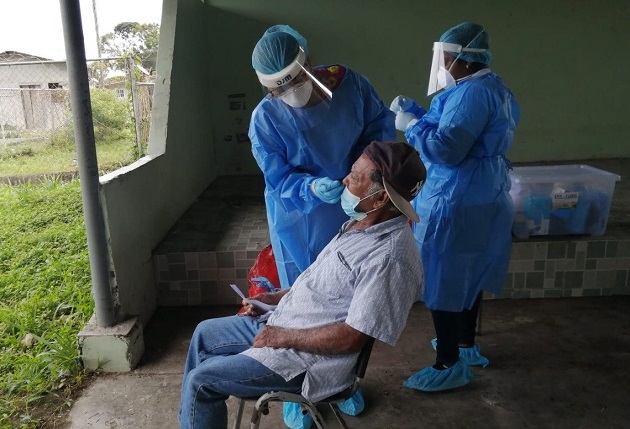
x,y
118,81
29,93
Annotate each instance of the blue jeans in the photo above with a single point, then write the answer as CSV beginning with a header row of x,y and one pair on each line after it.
x,y
214,371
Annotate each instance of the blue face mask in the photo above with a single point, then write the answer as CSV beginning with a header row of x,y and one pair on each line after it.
x,y
349,202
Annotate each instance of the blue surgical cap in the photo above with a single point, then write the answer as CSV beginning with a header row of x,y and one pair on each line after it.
x,y
276,49
470,35
286,29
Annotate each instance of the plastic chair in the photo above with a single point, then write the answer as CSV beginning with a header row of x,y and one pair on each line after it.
x,y
262,403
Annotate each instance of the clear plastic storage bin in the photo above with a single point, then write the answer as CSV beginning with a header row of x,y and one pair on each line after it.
x,y
561,200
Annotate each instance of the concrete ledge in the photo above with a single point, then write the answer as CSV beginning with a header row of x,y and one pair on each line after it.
x,y
114,349
210,248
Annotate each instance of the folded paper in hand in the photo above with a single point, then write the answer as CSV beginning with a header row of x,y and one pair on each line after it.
x,y
258,304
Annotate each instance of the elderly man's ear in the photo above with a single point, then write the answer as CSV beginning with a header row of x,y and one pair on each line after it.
x,y
381,199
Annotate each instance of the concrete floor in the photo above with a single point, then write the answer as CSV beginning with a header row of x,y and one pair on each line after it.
x,y
554,363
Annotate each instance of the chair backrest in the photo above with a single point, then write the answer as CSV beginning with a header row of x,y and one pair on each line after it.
x,y
364,358
359,373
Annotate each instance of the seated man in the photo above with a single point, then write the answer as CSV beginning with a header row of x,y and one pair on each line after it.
x,y
361,285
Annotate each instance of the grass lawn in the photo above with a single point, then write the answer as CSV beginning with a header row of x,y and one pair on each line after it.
x,y
38,158
45,297
113,133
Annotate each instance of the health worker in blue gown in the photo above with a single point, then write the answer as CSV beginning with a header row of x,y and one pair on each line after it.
x,y
306,133
466,213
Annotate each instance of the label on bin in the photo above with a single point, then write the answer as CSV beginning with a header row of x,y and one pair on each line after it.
x,y
565,200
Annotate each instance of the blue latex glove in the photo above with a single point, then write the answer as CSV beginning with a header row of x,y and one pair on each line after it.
x,y
327,189
406,104
404,120
264,282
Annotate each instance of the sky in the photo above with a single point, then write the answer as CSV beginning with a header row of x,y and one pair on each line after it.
x,y
34,26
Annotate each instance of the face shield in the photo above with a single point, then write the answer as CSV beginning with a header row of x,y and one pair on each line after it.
x,y
298,93
295,84
440,77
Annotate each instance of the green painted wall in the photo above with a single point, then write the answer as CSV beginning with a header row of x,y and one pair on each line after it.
x,y
233,88
564,60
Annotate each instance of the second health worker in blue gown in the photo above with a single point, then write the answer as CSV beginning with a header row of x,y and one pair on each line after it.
x,y
464,233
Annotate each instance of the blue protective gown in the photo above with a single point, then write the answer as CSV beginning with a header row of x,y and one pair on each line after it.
x,y
293,147
466,212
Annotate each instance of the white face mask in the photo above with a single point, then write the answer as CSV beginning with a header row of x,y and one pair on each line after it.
x,y
300,96
445,78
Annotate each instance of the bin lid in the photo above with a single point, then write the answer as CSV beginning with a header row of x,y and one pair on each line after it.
x,y
554,173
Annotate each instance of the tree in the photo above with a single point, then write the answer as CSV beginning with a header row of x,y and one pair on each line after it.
x,y
131,38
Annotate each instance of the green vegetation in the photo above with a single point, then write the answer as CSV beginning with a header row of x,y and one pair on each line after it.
x,y
111,117
45,299
113,132
135,39
32,158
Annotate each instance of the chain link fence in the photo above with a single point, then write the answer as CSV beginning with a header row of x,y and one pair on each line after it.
x,y
34,97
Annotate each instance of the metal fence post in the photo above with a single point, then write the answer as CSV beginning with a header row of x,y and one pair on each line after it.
x,y
131,70
86,157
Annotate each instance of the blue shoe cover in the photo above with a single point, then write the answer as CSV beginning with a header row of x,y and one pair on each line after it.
x,y
432,380
293,417
353,406
471,356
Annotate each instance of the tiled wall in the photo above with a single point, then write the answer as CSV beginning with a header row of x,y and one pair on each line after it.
x,y
202,278
196,264
569,267
538,269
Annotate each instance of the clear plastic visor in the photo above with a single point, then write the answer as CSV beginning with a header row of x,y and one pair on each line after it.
x,y
439,49
290,87
291,79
